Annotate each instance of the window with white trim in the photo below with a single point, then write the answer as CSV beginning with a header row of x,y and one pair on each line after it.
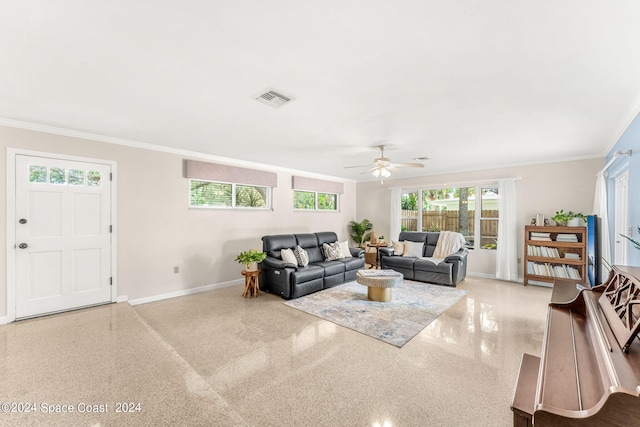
x,y
455,209
213,194
314,200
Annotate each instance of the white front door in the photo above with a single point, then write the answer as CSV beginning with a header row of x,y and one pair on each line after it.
x,y
63,235
621,225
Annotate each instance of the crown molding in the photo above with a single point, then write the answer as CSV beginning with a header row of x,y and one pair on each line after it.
x,y
160,148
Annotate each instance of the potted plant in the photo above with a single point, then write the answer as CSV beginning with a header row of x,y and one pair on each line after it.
x,y
360,232
568,218
251,258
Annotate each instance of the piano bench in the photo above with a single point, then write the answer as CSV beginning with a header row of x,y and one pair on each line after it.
x,y
524,394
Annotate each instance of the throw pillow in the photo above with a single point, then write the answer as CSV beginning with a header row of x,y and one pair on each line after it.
x,y
413,249
331,251
301,256
288,256
344,248
398,248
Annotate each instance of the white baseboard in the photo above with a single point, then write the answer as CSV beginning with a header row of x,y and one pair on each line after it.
x,y
493,276
122,298
184,292
4,320
483,275
541,284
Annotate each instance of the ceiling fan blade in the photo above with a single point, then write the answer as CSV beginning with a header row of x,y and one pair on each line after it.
x,y
359,166
408,165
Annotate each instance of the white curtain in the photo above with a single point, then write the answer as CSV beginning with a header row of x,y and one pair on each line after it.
x,y
395,215
507,251
600,209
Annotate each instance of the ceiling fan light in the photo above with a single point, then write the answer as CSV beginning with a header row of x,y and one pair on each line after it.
x,y
376,172
385,173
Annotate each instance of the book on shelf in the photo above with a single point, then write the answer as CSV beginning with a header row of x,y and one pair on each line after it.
x,y
539,234
571,255
568,238
553,270
542,251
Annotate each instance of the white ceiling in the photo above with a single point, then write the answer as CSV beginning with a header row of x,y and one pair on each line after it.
x,y
472,84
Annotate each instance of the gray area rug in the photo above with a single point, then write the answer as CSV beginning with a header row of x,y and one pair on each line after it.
x,y
414,306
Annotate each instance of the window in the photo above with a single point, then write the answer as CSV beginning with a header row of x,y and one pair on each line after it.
x,y
409,203
489,215
211,194
58,176
76,177
38,174
313,200
327,201
454,209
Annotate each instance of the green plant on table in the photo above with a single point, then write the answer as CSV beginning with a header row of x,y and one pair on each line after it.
x,y
250,256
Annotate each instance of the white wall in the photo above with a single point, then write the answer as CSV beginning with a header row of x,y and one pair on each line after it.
x,y
543,189
155,229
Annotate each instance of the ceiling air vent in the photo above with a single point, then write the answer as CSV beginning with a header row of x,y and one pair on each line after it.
x,y
273,98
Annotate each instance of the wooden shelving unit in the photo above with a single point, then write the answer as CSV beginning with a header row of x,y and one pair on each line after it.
x,y
540,262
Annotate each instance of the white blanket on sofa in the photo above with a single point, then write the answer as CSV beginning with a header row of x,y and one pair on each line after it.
x,y
449,242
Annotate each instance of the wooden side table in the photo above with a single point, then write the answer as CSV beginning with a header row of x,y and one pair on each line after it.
x,y
251,284
377,246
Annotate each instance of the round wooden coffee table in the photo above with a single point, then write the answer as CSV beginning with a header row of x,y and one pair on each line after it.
x,y
379,285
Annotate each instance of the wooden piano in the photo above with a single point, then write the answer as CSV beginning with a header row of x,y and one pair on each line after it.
x,y
588,373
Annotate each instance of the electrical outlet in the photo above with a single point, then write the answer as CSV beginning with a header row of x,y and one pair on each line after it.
x,y
176,270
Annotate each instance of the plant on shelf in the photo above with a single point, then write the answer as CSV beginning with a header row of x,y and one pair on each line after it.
x,y
562,218
250,258
360,232
635,243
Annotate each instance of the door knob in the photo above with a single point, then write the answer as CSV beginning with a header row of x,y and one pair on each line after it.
x,y
22,221
23,246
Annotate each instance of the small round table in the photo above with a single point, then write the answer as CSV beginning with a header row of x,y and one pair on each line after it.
x,y
380,285
251,283
375,263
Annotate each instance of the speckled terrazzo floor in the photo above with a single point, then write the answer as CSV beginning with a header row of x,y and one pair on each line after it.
x,y
413,306
217,359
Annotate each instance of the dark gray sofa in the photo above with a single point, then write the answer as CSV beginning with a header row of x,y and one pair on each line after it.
x,y
291,281
450,272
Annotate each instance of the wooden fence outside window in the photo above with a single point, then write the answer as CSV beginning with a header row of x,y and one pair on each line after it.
x,y
450,221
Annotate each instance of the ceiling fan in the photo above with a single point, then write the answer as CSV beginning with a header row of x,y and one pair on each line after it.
x,y
382,166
